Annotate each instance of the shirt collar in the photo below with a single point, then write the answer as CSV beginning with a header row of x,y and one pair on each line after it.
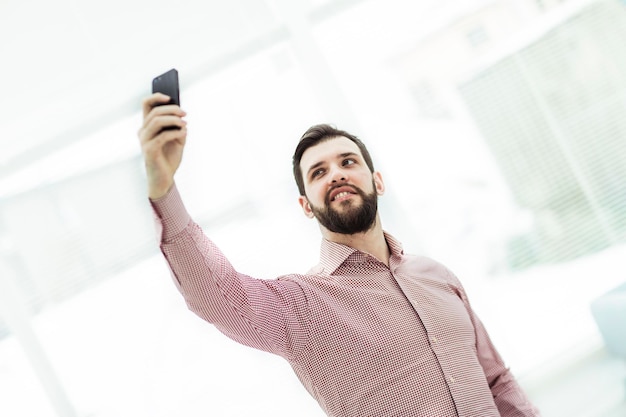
x,y
333,255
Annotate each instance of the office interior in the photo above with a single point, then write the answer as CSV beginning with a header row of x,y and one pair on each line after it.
x,y
498,126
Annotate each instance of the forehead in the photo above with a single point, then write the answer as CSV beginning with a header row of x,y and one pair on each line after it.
x,y
328,150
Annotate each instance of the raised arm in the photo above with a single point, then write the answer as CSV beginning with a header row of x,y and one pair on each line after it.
x,y
162,148
270,315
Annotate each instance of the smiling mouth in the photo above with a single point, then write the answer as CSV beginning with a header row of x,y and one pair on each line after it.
x,y
342,195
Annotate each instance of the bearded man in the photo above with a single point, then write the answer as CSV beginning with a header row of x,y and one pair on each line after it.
x,y
370,330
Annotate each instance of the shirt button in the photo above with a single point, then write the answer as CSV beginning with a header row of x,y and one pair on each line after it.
x,y
433,339
452,380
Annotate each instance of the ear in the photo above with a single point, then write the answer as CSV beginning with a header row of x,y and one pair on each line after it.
x,y
379,183
306,207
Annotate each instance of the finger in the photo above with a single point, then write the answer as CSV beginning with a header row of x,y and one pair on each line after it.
x,y
153,100
156,145
161,111
156,105
167,109
155,125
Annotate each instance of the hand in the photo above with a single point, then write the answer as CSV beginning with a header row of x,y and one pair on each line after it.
x,y
162,149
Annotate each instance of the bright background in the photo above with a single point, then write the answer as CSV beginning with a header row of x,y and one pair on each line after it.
x,y
498,126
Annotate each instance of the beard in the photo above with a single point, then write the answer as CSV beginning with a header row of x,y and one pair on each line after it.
x,y
351,219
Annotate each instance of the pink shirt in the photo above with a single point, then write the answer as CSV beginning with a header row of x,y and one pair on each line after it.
x,y
363,338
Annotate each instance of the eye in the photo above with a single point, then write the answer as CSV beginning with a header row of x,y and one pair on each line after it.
x,y
317,173
348,161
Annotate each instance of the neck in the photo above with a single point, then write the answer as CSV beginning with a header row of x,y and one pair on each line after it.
x,y
371,241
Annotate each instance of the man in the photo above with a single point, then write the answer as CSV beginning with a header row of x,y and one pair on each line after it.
x,y
369,331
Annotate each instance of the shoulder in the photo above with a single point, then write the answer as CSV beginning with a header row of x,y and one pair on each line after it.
x,y
303,280
425,265
431,269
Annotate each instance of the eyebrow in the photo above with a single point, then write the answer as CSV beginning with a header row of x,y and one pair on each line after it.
x,y
320,163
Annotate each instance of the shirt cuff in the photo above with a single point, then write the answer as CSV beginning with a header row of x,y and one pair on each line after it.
x,y
170,214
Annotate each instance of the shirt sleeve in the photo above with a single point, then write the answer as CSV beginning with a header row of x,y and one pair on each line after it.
x,y
270,315
508,396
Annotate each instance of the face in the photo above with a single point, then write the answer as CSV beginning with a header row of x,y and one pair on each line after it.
x,y
341,192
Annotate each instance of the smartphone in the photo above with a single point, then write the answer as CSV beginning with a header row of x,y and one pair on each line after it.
x,y
167,83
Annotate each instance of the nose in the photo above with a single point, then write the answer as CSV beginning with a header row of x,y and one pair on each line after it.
x,y
337,174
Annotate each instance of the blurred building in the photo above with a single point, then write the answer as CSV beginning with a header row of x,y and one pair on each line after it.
x,y
549,100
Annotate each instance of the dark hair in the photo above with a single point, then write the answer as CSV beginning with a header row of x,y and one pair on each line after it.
x,y
318,134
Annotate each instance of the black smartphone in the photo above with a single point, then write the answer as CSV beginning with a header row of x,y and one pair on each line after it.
x,y
167,83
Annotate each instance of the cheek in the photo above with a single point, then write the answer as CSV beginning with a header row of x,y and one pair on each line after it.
x,y
315,194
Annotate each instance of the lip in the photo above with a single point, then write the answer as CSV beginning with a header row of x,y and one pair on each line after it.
x,y
342,189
